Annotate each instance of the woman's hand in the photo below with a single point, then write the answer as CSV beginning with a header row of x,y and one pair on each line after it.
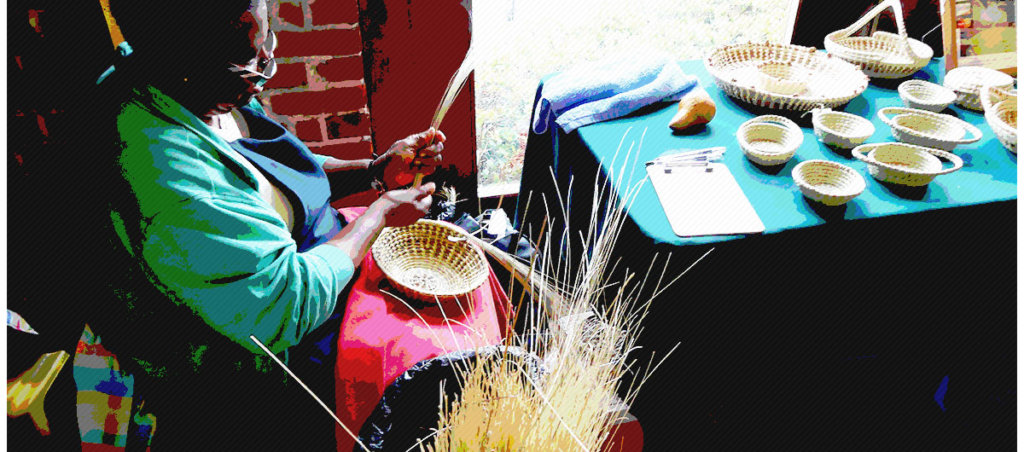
x,y
419,153
404,207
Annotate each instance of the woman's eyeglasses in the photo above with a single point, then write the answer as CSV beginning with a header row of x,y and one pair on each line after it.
x,y
262,68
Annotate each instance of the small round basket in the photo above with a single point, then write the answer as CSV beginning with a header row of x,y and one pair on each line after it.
x,y
925,95
905,164
929,129
430,261
769,140
830,183
782,78
1001,114
840,129
967,82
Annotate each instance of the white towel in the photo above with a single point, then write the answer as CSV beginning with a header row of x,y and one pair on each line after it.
x,y
609,88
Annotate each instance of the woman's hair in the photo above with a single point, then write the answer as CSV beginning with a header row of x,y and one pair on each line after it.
x,y
183,28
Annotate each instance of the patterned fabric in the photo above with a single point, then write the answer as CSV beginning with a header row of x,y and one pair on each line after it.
x,y
16,321
105,394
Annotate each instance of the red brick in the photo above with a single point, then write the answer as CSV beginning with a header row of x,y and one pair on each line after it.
x,y
328,12
341,69
354,124
346,151
291,13
319,102
318,42
288,76
309,130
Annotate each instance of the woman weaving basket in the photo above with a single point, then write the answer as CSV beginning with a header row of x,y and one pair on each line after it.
x,y
224,229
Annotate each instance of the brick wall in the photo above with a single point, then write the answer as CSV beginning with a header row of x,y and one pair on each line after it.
x,y
319,92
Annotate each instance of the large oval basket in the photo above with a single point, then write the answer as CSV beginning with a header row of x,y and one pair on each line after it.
x,y
830,82
430,260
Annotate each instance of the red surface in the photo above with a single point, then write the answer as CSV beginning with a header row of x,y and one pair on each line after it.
x,y
629,437
381,337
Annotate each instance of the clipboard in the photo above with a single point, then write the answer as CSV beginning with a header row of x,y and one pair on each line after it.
x,y
703,199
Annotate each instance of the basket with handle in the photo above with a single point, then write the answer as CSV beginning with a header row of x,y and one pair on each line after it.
x,y
929,129
883,54
430,260
1001,114
905,164
840,129
769,140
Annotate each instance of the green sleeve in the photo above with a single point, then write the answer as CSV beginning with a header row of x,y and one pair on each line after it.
x,y
241,272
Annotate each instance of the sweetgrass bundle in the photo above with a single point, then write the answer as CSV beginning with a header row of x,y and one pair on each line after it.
x,y
587,320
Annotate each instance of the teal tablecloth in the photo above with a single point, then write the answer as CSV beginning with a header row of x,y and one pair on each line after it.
x,y
989,173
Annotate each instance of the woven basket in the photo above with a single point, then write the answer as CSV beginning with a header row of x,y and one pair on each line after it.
x,y
782,78
925,128
769,140
430,260
1001,114
831,82
924,95
883,54
905,164
967,82
829,183
840,129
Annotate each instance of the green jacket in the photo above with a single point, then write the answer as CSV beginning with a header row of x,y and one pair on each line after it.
x,y
204,238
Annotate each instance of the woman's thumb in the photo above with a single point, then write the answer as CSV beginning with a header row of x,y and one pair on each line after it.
x,y
426,189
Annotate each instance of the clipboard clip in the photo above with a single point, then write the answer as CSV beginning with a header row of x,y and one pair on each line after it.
x,y
689,158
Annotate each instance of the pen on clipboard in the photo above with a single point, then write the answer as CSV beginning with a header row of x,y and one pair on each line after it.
x,y
689,158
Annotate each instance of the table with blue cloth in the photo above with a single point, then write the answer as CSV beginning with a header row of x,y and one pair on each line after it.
x,y
887,323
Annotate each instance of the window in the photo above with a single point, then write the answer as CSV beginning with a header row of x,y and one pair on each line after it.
x,y
527,39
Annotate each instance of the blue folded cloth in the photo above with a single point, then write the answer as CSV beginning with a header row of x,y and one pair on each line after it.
x,y
609,88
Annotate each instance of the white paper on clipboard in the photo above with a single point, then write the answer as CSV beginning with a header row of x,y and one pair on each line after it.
x,y
703,200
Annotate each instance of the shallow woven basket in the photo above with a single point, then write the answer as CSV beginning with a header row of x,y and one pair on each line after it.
x,y
1001,114
967,82
829,183
925,95
905,164
883,54
769,140
840,129
430,260
831,82
782,78
929,129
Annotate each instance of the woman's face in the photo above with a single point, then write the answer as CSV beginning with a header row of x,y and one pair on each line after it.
x,y
229,89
